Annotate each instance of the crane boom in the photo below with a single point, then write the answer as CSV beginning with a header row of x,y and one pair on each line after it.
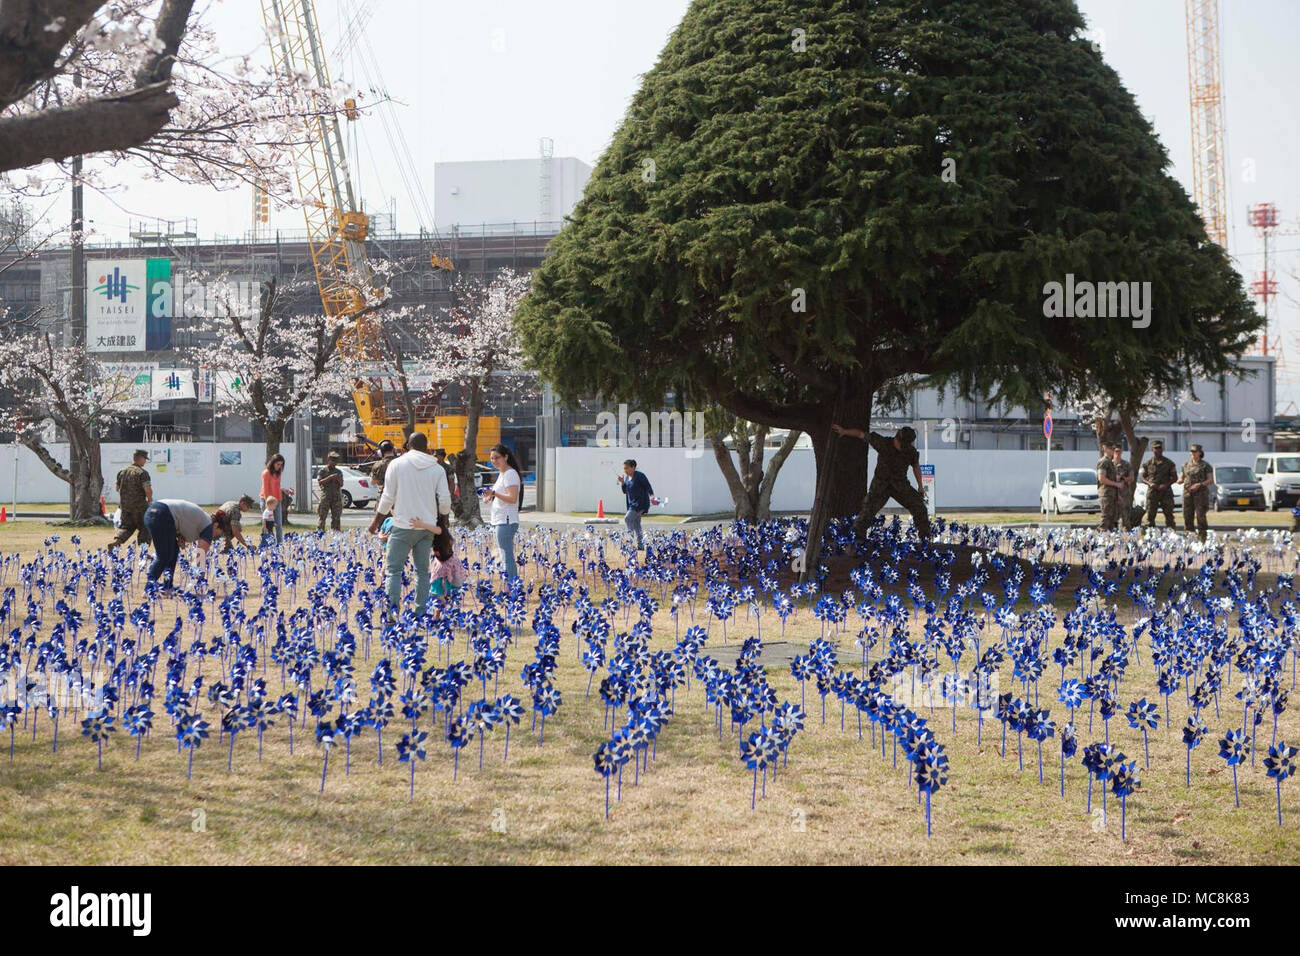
x,y
336,229
1205,81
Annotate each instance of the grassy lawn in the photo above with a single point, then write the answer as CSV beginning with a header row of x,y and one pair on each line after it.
x,y
838,800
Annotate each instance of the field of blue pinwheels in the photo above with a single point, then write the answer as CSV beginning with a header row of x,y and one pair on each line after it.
x,y
995,695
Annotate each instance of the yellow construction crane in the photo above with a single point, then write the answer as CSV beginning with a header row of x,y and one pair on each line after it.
x,y
1205,81
337,228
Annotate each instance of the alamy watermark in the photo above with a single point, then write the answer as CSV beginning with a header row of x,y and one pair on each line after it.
x,y
653,430
1098,300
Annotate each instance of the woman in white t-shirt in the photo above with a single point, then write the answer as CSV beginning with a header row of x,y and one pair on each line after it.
x,y
505,496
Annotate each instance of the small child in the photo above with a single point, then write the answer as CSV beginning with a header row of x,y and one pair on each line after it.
x,y
268,520
446,573
384,528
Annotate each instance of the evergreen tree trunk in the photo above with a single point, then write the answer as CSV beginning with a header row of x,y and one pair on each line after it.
x,y
841,468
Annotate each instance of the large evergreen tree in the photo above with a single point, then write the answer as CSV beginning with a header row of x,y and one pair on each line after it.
x,y
909,174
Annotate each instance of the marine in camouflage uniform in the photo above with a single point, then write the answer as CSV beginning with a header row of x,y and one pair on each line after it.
x,y
1125,470
1197,477
1109,493
135,493
1159,475
388,454
331,494
893,457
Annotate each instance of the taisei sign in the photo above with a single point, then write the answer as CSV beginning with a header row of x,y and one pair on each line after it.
x,y
128,305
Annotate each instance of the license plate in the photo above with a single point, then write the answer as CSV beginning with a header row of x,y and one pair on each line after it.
x,y
1243,501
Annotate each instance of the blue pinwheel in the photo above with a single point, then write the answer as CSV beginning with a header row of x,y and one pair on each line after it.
x,y
191,731
98,726
1144,716
931,765
9,714
411,748
138,720
1193,733
510,711
324,739
1280,764
607,765
458,735
1234,747
1125,779
546,701
755,753
1069,744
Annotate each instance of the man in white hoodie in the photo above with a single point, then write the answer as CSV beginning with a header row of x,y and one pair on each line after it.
x,y
415,486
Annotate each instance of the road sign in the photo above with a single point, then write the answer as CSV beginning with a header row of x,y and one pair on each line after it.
x,y
1047,425
927,474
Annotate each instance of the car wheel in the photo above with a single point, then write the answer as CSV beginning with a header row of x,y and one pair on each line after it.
x,y
347,500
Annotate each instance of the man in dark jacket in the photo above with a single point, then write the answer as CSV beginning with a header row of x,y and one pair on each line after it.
x,y
636,489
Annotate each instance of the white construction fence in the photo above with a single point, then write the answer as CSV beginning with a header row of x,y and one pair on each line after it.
x,y
204,473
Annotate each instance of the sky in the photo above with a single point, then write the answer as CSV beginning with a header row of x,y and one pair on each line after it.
x,y
488,79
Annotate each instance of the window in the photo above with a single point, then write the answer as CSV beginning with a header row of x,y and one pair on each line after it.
x,y
1076,478
1233,473
1288,464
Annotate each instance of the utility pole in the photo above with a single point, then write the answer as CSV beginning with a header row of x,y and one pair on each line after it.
x,y
77,312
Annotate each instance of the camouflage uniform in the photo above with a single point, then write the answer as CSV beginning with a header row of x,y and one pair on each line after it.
x,y
224,521
1124,471
1160,472
331,496
890,481
1109,493
1196,503
132,486
380,469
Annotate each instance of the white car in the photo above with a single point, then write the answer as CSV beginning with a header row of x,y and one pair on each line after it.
x,y
1067,490
358,489
1140,496
1279,474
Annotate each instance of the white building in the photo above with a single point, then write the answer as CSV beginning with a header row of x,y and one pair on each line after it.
x,y
472,196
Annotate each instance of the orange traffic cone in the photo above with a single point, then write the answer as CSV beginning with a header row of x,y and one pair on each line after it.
x,y
600,508
4,514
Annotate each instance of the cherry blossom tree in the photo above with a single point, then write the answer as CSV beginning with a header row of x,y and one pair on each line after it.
x,y
279,356
482,344
52,388
403,353
145,80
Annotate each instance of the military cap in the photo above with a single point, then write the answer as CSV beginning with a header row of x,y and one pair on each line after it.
x,y
333,456
140,453
1158,445
1197,448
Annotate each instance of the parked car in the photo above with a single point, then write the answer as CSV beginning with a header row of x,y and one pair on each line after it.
x,y
1068,490
1279,476
358,489
1235,488
1140,495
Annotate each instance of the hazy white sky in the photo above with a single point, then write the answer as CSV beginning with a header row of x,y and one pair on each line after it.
x,y
486,79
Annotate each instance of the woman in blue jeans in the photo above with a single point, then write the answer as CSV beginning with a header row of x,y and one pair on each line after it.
x,y
504,496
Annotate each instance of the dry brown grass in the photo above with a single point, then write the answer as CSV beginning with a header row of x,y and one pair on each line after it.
x,y
693,806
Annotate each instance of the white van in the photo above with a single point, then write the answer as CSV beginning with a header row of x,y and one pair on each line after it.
x,y
1279,474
